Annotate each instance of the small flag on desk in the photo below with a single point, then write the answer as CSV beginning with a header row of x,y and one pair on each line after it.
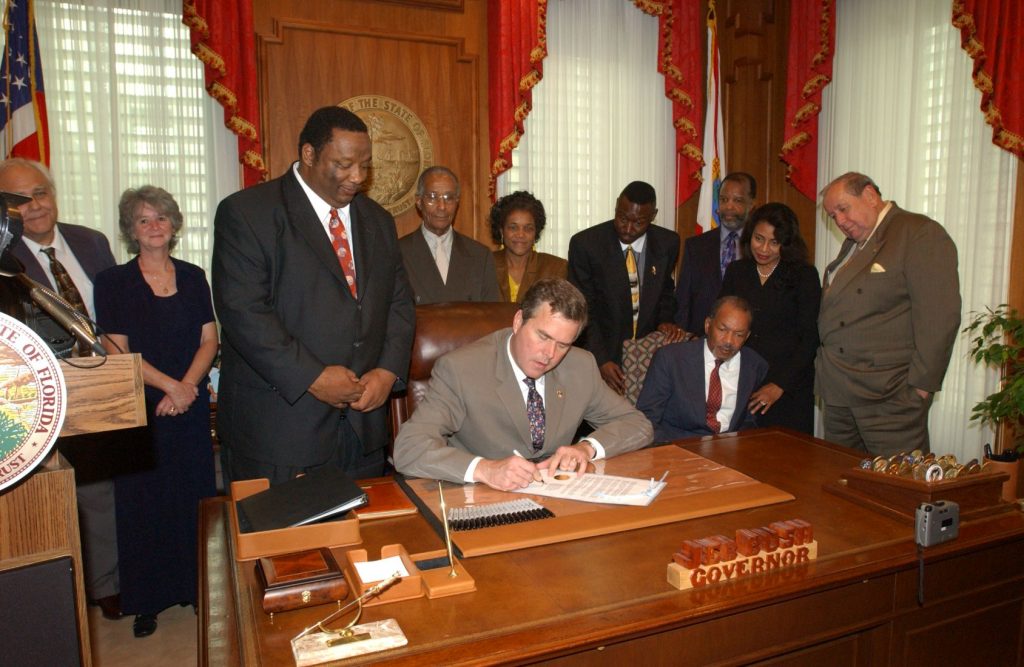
x,y
714,135
23,129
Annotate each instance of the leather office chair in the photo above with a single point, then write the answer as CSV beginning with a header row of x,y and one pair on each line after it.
x,y
441,328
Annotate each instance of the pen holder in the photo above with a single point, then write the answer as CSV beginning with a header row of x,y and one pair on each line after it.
x,y
438,581
406,589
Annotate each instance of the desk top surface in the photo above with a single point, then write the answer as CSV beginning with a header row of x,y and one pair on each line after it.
x,y
555,598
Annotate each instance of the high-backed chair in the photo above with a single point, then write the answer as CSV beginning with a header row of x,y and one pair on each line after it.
x,y
441,328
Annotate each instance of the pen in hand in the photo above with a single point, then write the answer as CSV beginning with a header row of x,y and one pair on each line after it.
x,y
536,474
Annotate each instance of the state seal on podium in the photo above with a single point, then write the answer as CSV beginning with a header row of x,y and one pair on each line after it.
x,y
33,400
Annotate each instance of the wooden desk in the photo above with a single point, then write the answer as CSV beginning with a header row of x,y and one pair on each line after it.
x,y
605,600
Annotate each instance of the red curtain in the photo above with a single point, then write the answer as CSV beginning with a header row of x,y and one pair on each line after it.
x,y
812,40
517,45
224,39
991,33
680,53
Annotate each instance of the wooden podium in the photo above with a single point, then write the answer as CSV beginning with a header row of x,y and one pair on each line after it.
x,y
39,516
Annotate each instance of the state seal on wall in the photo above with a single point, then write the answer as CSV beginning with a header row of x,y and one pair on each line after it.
x,y
401,149
33,400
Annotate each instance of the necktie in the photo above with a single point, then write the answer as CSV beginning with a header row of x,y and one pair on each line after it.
x,y
441,257
730,251
634,284
69,292
847,252
714,399
535,414
339,239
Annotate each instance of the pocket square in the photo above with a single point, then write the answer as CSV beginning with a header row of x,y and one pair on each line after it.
x,y
877,268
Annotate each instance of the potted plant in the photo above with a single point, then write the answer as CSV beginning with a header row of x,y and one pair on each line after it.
x,y
997,340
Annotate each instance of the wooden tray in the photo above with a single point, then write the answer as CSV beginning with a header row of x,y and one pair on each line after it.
x,y
250,546
899,497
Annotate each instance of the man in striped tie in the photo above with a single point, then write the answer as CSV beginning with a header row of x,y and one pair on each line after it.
x,y
624,269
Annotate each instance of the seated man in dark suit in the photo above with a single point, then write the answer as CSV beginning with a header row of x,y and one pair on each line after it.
x,y
519,392
624,269
703,386
442,264
706,256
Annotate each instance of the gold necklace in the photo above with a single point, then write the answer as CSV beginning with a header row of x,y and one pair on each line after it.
x,y
160,285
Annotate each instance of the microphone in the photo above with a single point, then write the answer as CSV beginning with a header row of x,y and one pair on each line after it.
x,y
11,229
60,310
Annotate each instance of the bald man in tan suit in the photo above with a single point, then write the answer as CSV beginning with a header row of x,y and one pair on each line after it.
x,y
890,312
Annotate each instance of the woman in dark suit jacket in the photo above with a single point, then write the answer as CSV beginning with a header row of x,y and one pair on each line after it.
x,y
783,289
516,223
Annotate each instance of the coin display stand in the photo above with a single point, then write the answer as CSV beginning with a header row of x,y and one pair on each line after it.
x,y
899,497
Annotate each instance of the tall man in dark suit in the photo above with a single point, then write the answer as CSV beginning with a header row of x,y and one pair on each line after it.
x,y
81,253
890,312
706,256
442,264
517,393
315,309
703,387
624,269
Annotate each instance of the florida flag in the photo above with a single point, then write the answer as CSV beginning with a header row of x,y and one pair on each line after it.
x,y
23,130
714,136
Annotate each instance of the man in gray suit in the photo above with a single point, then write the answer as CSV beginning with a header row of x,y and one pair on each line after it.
x,y
82,253
890,312
442,264
517,393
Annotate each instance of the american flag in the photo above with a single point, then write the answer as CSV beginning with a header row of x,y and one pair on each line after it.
x,y
23,129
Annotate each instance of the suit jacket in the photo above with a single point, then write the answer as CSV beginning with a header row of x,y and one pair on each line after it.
x,y
674,398
700,279
891,315
286,312
598,268
470,270
539,265
90,247
474,407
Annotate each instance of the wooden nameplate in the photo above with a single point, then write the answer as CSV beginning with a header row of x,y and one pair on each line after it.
x,y
755,551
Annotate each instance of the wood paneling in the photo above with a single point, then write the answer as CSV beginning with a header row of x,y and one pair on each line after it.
x,y
430,56
753,38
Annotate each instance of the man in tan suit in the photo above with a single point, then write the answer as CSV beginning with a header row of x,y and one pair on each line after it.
x,y
890,311
498,405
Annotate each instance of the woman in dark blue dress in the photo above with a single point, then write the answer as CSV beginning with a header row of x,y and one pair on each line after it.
x,y
160,307
783,289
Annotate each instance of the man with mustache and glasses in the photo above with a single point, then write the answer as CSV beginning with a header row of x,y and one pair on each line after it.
x,y
444,265
706,257
703,386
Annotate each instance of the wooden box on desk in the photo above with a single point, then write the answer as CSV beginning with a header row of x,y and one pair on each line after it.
x,y
250,546
899,497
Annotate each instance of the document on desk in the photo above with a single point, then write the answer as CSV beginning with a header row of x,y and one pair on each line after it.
x,y
594,488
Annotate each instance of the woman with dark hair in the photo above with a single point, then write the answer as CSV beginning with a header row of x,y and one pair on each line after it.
x,y
160,307
516,223
783,289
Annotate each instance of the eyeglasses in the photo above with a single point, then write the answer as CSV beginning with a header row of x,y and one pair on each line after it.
x,y
432,198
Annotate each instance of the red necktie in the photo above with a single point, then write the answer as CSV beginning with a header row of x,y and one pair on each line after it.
x,y
714,399
339,239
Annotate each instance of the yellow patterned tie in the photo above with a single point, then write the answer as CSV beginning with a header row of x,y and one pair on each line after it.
x,y
634,284
69,292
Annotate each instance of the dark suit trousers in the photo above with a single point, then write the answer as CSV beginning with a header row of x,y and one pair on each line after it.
x,y
348,456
